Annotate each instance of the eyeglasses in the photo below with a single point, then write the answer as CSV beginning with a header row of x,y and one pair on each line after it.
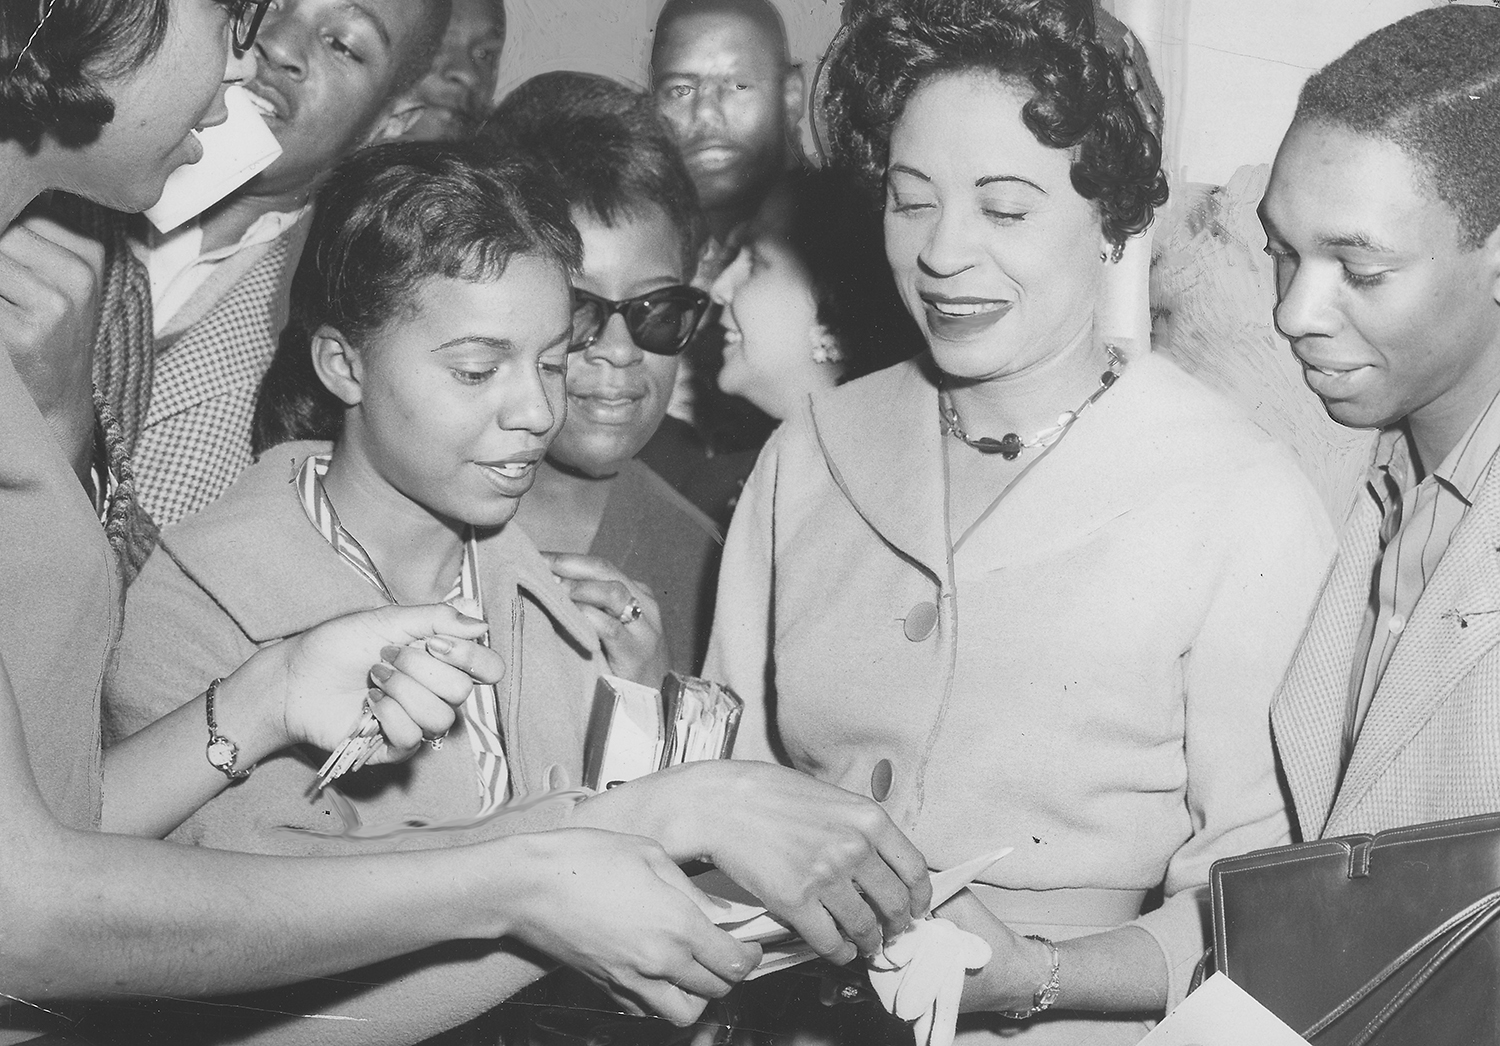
x,y
245,17
660,322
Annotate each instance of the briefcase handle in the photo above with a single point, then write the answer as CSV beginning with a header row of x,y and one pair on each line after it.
x,y
1464,927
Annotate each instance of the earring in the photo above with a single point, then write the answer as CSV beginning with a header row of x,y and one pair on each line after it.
x,y
1114,254
825,347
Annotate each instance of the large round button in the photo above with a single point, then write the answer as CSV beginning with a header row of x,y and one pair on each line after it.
x,y
920,621
880,780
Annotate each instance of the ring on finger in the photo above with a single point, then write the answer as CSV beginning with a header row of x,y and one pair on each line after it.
x,y
436,743
631,613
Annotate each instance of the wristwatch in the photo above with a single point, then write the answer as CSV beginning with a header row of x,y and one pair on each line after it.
x,y
222,753
1049,990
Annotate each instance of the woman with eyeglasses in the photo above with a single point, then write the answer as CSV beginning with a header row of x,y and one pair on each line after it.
x,y
100,97
611,519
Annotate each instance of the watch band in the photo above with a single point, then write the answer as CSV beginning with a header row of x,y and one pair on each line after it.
x,y
222,753
1049,990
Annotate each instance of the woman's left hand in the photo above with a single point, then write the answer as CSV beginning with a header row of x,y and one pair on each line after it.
x,y
624,612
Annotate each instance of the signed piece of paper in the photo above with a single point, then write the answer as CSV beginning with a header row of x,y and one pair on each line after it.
x,y
1221,1013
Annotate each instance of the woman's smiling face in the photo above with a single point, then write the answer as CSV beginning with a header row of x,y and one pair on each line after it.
x,y
994,252
618,393
458,396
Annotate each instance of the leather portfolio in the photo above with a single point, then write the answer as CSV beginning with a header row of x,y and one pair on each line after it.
x,y
1389,939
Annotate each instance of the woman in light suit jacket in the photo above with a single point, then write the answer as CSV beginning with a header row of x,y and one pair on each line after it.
x,y
1010,625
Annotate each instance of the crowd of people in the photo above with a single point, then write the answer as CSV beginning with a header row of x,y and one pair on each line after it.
x,y
463,403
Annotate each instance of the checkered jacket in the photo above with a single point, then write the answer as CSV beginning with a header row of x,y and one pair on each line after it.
x,y
1429,748
196,435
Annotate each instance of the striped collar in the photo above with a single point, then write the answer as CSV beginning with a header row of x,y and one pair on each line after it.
x,y
481,709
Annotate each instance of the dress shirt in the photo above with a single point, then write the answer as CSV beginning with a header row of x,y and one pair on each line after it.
x,y
1418,521
178,265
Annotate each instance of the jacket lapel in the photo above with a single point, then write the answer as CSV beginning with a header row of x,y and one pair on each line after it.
x,y
885,469
229,348
509,561
256,551
1455,623
1308,714
1066,496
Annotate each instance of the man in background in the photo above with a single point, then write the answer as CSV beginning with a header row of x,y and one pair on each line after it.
x,y
724,81
458,92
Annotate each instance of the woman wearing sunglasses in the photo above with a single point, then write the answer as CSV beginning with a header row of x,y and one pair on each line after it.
x,y
622,535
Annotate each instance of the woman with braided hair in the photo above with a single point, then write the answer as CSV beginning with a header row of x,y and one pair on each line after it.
x,y
1023,591
100,98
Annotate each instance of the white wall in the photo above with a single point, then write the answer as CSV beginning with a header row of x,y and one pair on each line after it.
x,y
1234,67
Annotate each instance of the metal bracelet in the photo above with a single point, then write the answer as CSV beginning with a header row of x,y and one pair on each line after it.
x,y
1050,989
222,753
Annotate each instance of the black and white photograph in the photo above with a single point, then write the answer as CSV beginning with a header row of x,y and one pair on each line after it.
x,y
750,522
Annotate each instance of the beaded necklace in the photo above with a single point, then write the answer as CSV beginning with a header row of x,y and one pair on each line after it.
x,y
1011,444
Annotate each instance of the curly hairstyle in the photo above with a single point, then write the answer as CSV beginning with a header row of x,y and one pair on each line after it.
x,y
607,149
53,55
839,242
889,48
1429,83
390,217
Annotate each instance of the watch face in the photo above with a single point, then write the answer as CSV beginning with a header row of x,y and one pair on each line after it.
x,y
222,752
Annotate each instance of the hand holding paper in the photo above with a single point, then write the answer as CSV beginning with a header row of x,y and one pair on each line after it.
x,y
919,977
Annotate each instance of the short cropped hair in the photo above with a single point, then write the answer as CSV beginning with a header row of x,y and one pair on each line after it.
x,y
608,150
840,243
51,67
1081,103
1429,83
389,218
760,13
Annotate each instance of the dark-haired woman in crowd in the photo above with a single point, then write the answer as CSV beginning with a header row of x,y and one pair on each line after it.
x,y
809,302
609,515
1019,590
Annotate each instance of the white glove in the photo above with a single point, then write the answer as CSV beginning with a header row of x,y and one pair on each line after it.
x,y
919,976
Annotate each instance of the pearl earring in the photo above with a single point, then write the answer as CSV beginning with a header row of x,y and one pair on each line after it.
x,y
825,347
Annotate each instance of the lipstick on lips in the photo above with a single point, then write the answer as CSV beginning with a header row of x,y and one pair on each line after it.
x,y
959,318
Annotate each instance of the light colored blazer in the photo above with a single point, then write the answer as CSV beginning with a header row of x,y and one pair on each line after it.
x,y
1430,745
1087,678
251,570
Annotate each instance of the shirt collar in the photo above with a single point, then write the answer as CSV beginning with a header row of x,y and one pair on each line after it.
x,y
1461,471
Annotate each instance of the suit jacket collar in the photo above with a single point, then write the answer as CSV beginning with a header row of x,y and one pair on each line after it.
x,y
256,553
1455,623
220,352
